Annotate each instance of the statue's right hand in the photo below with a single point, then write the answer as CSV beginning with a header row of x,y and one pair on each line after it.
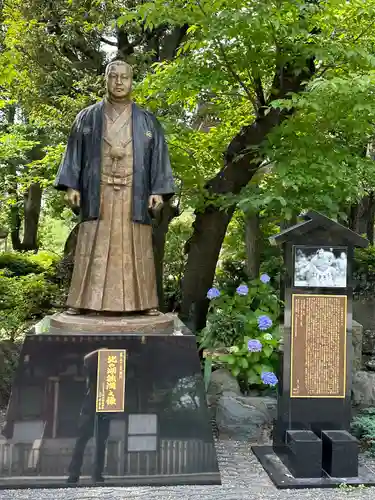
x,y
74,197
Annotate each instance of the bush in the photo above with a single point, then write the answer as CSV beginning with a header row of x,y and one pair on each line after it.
x,y
46,260
22,299
174,261
229,275
364,261
246,323
9,354
27,293
363,427
16,264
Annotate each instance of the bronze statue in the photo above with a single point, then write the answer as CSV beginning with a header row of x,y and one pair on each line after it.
x,y
116,169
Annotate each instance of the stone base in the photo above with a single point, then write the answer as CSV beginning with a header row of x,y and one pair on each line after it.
x,y
283,479
99,323
161,435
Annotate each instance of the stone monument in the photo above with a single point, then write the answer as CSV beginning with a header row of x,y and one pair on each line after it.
x,y
312,445
110,392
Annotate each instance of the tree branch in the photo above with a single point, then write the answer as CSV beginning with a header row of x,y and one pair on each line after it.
x,y
235,75
259,91
108,42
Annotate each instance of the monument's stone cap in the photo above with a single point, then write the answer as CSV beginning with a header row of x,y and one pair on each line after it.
x,y
314,220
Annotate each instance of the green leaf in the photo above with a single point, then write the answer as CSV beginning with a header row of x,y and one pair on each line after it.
x,y
252,377
244,363
229,359
257,368
207,371
267,350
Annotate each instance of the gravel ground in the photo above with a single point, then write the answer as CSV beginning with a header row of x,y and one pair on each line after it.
x,y
242,478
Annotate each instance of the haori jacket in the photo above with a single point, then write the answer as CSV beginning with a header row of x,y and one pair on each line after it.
x,y
80,168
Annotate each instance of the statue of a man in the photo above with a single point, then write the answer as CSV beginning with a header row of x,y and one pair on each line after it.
x,y
116,169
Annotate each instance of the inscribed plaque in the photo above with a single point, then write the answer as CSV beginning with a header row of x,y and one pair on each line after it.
x,y
318,346
110,388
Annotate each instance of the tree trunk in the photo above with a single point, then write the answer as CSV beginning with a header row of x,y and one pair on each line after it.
x,y
354,215
240,164
361,219
253,243
159,233
32,205
15,227
371,217
203,250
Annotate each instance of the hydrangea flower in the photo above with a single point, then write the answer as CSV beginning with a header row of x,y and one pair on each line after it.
x,y
254,345
269,378
267,336
265,278
213,293
242,290
264,322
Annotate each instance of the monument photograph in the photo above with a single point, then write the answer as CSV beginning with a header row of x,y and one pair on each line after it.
x,y
320,267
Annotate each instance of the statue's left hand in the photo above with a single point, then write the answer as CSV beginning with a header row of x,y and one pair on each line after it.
x,y
155,200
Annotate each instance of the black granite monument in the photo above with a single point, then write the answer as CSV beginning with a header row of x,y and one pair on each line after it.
x,y
113,409
312,445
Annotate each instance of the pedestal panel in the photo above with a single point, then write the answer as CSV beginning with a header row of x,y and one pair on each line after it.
x,y
163,436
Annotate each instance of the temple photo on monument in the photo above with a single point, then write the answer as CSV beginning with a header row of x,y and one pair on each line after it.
x,y
323,267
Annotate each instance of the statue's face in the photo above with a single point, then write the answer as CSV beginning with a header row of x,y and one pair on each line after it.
x,y
119,80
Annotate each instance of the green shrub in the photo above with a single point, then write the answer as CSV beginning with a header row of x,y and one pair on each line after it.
x,y
246,323
273,265
174,260
9,354
364,261
16,264
27,293
46,260
229,275
22,299
363,427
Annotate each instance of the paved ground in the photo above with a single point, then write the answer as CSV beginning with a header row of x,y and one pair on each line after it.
x,y
242,477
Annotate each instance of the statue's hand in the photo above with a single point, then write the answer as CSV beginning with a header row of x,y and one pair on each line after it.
x,y
74,197
155,200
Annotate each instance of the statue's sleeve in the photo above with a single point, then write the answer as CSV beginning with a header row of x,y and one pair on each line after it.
x,y
69,172
161,171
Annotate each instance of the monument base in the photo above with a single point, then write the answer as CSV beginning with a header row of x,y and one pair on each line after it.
x,y
94,323
60,426
274,465
39,482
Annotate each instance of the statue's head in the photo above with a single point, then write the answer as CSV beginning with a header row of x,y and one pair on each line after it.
x,y
119,79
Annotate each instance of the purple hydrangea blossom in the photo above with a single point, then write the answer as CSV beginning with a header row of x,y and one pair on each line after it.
x,y
269,378
242,290
213,293
265,278
254,345
264,322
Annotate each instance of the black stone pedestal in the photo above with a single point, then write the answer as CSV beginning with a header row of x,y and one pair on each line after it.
x,y
52,430
304,453
340,454
276,468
